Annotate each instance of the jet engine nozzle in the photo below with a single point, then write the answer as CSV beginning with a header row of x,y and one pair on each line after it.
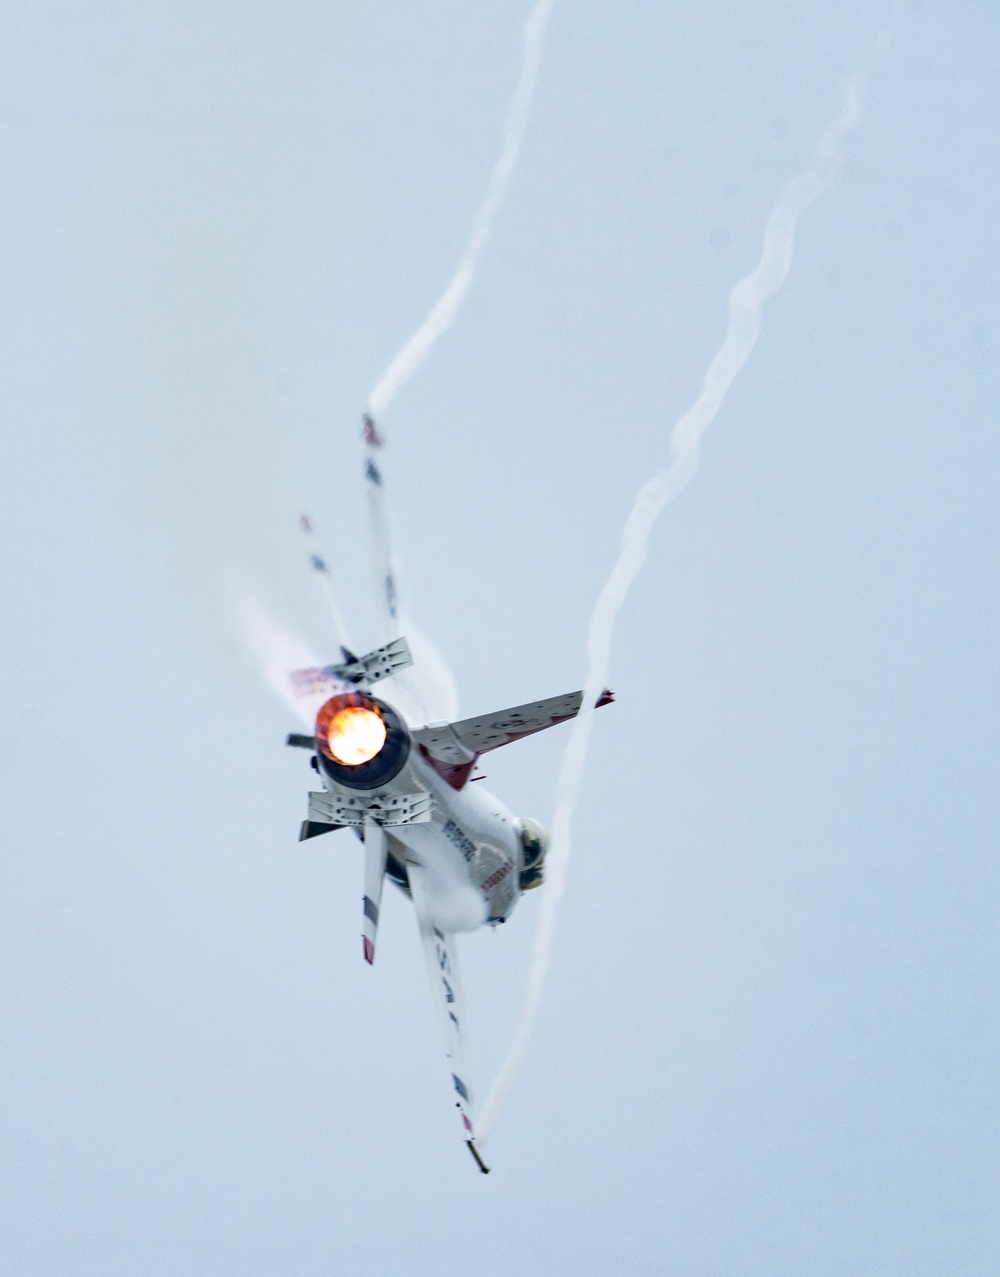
x,y
362,741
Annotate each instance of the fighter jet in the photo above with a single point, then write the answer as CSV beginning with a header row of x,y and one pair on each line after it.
x,y
406,790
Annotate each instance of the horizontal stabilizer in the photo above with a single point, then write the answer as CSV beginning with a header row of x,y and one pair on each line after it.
x,y
299,741
313,829
457,743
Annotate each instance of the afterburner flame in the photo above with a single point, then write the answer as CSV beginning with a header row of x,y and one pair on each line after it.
x,y
355,735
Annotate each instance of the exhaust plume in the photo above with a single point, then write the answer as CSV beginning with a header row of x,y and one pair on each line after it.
x,y
277,651
746,303
445,308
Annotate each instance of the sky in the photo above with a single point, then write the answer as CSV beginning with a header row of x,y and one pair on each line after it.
x,y
769,1037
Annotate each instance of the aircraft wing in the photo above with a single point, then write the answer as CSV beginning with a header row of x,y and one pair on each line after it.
x,y
446,986
457,742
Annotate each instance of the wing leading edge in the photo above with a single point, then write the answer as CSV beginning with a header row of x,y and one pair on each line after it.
x,y
446,987
454,747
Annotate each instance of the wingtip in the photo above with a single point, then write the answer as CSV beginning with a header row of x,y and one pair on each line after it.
x,y
607,697
370,431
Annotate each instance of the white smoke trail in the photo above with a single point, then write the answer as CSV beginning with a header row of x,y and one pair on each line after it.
x,y
429,687
745,306
444,310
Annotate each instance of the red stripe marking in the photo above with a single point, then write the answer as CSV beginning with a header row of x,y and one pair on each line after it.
x,y
453,774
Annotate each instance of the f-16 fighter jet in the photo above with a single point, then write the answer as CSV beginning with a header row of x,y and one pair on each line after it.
x,y
406,790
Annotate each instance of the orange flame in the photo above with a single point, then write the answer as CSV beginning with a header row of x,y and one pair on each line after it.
x,y
355,735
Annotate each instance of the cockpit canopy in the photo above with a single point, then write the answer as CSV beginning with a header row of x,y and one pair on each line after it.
x,y
534,846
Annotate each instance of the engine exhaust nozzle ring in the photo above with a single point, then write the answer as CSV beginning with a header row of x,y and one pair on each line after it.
x,y
361,741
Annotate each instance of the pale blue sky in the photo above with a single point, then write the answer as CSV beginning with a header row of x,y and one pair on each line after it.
x,y
770,1038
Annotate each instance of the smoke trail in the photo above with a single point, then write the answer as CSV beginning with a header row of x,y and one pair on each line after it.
x,y
443,312
745,306
429,687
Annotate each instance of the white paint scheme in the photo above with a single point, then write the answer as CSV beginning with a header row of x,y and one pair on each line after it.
x,y
459,845
458,817
463,852
446,985
376,847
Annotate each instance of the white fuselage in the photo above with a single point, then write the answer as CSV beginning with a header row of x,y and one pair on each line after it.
x,y
471,835
469,852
